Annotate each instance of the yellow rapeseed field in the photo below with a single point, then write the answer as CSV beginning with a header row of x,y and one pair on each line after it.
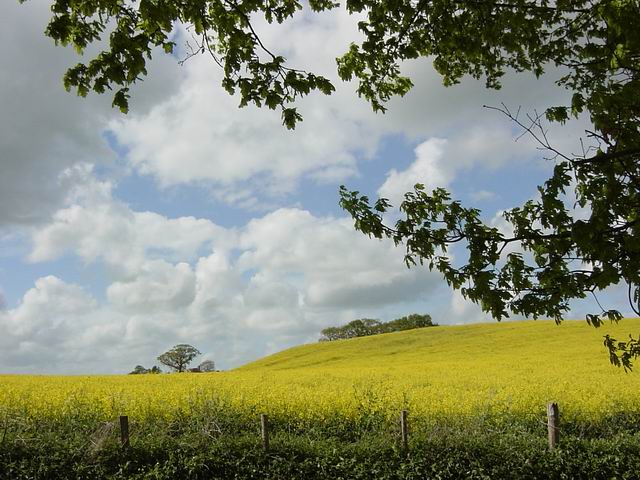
x,y
511,367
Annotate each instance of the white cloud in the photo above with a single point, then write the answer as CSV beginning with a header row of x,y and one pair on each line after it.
x,y
427,169
235,294
160,286
46,130
219,285
481,195
266,290
337,266
96,227
464,311
439,161
47,307
54,327
199,136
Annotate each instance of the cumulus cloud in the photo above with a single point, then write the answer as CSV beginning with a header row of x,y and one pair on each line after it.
x,y
46,130
439,161
159,286
464,311
481,195
199,136
339,266
46,306
238,293
427,169
55,325
98,228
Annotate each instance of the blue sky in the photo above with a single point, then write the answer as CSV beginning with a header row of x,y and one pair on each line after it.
x,y
192,221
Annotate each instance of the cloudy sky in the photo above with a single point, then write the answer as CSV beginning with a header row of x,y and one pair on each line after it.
x,y
192,221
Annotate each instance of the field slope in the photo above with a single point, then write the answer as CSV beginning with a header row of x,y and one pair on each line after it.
x,y
511,368
572,345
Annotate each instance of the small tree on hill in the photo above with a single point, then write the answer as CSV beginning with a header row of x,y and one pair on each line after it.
x,y
207,366
179,357
356,328
138,370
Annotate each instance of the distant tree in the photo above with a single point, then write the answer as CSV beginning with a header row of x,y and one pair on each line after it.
x,y
368,326
356,328
179,357
362,327
138,370
331,333
207,366
408,323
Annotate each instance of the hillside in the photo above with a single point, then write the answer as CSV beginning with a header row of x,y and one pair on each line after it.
x,y
572,345
511,368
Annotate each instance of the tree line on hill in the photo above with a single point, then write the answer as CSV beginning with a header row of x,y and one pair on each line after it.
x,y
178,359
368,326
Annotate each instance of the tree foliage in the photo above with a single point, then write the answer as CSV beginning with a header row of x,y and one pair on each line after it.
x,y
565,248
223,29
207,366
368,326
580,236
140,370
179,357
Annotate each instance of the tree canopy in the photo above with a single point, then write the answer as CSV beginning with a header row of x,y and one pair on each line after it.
x,y
179,357
207,366
369,326
567,248
140,370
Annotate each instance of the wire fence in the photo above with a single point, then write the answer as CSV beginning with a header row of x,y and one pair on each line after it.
x,y
552,423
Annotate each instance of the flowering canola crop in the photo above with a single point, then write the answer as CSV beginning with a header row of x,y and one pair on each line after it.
x,y
511,368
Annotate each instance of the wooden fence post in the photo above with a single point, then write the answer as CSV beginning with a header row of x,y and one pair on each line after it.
x,y
553,424
264,425
404,431
124,431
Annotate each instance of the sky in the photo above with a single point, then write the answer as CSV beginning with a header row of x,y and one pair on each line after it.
x,y
190,220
